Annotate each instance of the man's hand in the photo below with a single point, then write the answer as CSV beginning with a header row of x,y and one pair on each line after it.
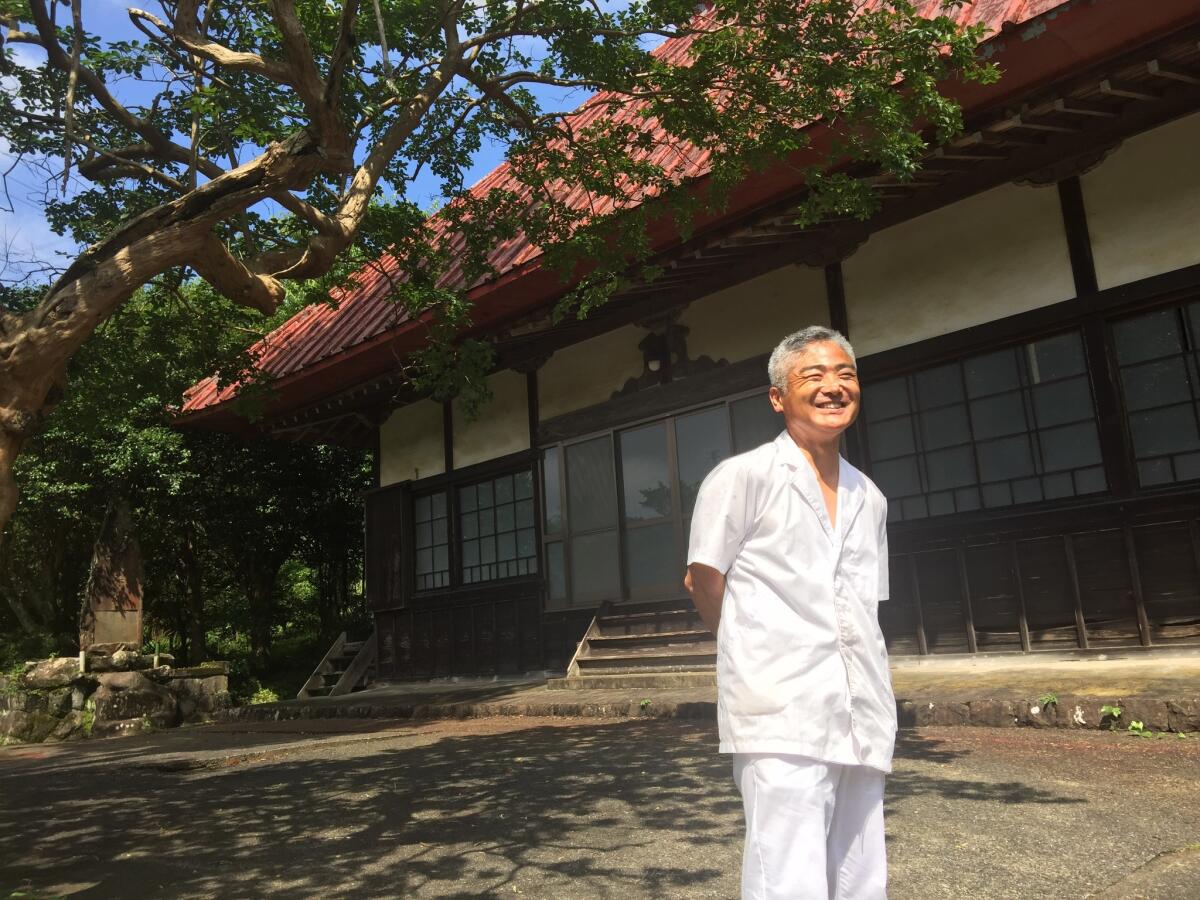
x,y
707,588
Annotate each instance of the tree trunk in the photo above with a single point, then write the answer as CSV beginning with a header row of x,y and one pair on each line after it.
x,y
194,594
260,593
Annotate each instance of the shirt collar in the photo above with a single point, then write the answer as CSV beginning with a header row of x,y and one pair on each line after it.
x,y
851,487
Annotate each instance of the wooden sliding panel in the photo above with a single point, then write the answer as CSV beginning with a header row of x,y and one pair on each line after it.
x,y
994,600
1106,590
1169,580
942,601
1049,594
899,616
507,643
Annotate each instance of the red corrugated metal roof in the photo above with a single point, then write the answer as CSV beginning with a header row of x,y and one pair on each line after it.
x,y
362,311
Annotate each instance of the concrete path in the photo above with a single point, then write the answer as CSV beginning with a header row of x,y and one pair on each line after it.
x,y
1162,690
632,809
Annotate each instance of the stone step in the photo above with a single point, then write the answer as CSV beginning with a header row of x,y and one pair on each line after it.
x,y
635,681
621,642
662,659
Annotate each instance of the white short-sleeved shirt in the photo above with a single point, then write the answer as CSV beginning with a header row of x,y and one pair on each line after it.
x,y
801,663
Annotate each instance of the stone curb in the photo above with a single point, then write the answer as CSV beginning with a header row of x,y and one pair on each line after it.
x,y
1067,712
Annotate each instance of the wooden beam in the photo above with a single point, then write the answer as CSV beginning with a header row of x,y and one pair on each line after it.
x,y
1003,126
448,435
1069,106
1114,88
1172,72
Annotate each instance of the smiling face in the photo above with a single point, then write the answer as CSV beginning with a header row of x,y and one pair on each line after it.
x,y
822,396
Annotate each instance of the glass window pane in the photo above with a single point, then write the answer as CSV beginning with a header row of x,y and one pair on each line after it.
x,y
701,441
914,508
469,525
937,387
1091,481
754,422
504,489
941,504
645,473
966,499
438,503
886,399
551,494
945,427
1160,431
1157,383
594,573
891,438
950,468
486,494
524,513
997,495
506,546
1056,486
1146,337
1070,447
992,373
897,477
526,543
1187,466
424,534
523,485
1027,490
440,535
470,553
421,509
1058,357
487,521
1062,402
591,491
998,416
651,559
556,572
1004,459
466,498
505,518
487,550
1155,471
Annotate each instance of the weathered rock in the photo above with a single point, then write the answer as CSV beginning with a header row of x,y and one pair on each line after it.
x,y
200,697
52,673
71,727
26,727
131,695
58,701
121,727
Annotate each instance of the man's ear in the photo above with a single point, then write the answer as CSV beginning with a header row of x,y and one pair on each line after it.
x,y
776,396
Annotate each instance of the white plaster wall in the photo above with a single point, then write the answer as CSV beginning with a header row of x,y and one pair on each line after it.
x,y
992,255
750,318
1143,204
589,372
502,426
410,443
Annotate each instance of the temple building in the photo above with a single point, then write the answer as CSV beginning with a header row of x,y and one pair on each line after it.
x,y
1026,313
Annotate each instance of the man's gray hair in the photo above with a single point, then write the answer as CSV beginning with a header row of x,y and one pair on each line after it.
x,y
778,368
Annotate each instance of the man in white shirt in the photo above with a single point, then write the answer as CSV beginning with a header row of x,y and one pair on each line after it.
x,y
787,565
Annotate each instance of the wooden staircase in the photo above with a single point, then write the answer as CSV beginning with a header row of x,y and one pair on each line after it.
x,y
348,666
643,639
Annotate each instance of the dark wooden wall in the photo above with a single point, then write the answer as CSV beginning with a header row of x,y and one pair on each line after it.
x,y
1100,575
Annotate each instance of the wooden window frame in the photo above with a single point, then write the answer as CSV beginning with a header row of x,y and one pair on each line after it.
x,y
622,527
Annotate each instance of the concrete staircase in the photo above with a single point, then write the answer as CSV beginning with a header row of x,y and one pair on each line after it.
x,y
347,666
655,644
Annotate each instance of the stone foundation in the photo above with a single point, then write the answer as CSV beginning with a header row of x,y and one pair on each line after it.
x,y
118,693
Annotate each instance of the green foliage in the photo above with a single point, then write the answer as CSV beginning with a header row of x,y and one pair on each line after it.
x,y
759,72
1048,699
214,514
1110,714
264,695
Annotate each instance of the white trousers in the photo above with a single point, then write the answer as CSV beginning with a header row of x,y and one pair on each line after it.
x,y
814,831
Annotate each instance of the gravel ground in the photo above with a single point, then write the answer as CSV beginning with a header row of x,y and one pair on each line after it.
x,y
560,808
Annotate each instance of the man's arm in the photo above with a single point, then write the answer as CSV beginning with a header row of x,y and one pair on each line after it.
x,y
707,587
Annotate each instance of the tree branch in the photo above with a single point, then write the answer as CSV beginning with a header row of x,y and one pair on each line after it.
x,y
215,264
185,32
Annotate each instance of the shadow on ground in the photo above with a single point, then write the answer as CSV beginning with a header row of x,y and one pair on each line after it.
x,y
625,809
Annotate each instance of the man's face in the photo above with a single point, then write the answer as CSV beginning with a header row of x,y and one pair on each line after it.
x,y
822,396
